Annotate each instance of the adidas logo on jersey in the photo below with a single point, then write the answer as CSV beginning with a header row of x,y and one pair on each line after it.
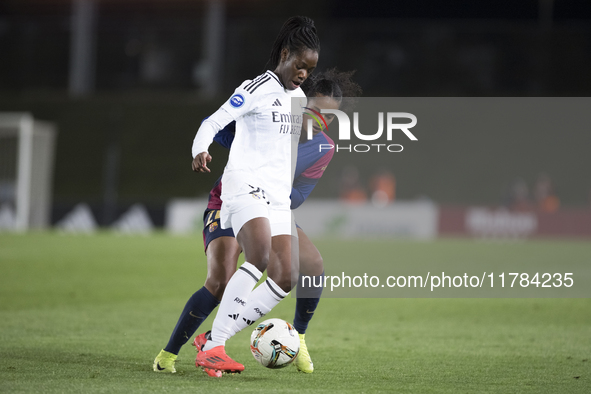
x,y
277,103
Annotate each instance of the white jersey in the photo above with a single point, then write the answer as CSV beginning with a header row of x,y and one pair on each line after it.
x,y
264,149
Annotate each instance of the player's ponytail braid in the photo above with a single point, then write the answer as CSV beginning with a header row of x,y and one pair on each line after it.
x,y
297,34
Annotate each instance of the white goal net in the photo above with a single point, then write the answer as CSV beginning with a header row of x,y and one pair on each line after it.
x,y
26,170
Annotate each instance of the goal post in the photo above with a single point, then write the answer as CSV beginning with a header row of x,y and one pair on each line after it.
x,y
26,168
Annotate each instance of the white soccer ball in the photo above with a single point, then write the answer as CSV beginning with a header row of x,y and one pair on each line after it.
x,y
274,343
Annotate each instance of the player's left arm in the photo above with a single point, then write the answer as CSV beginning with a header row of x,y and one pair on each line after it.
x,y
305,183
225,137
302,187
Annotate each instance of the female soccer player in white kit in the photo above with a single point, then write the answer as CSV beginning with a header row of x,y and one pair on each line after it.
x,y
257,183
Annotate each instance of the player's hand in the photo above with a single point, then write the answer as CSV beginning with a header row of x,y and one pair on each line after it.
x,y
200,162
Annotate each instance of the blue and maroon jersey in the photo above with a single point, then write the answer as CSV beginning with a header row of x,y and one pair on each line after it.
x,y
214,201
311,163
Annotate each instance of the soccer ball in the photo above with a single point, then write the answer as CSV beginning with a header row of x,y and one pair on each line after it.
x,y
274,343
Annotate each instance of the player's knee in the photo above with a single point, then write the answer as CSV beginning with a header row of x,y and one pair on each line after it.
x,y
257,254
216,289
318,263
285,285
261,262
285,281
217,286
311,264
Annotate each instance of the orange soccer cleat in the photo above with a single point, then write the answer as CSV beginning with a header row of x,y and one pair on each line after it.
x,y
218,360
214,373
201,339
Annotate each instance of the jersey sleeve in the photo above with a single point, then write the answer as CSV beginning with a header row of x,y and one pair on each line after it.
x,y
240,103
302,187
208,129
316,170
244,99
305,183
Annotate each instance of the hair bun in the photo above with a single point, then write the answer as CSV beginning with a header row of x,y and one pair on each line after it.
x,y
304,21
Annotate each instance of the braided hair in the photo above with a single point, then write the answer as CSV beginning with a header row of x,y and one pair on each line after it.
x,y
297,34
332,83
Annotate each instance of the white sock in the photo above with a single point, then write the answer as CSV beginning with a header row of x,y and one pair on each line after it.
x,y
235,296
260,302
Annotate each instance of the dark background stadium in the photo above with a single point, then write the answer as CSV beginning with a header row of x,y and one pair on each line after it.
x,y
125,132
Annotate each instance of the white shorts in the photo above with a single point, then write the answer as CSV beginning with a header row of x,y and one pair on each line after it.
x,y
251,202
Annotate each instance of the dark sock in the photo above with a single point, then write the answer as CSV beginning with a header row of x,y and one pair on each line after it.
x,y
199,306
308,296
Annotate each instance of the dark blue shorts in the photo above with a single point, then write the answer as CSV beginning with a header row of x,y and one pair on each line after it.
x,y
212,228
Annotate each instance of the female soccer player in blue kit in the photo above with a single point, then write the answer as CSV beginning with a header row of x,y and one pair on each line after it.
x,y
325,91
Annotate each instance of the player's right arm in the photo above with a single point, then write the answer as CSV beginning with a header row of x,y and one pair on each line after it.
x,y
224,137
238,105
205,135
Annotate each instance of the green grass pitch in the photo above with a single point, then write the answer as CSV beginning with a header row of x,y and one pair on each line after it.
x,y
90,313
